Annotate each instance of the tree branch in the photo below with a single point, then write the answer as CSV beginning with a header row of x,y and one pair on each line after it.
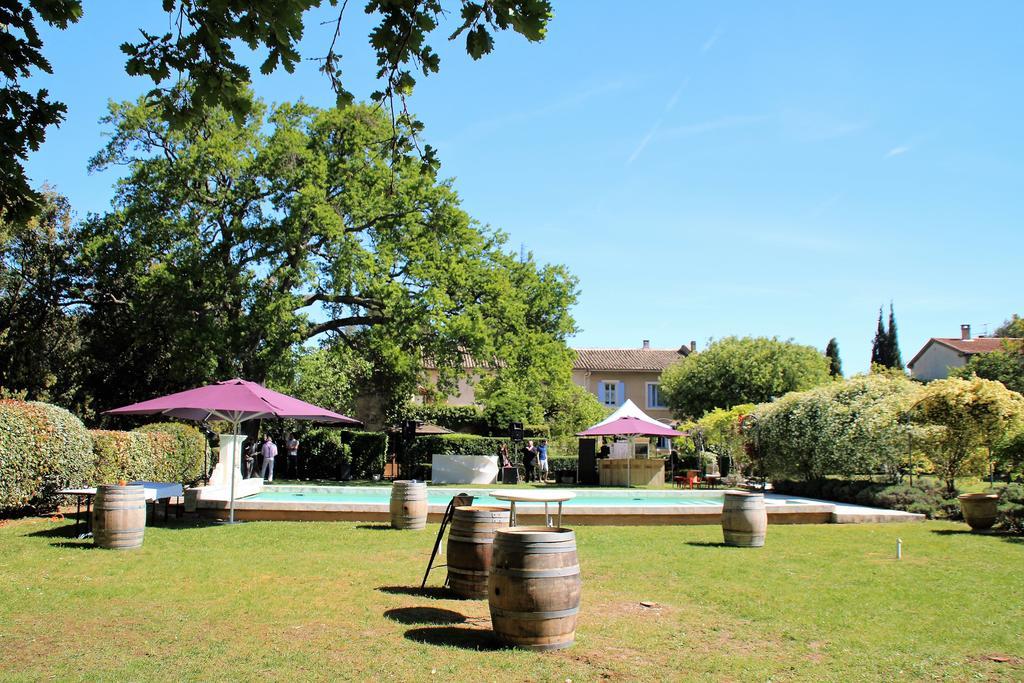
x,y
341,323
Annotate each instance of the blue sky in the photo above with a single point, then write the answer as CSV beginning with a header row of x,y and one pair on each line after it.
x,y
705,169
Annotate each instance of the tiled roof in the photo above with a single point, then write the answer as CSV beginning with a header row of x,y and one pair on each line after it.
x,y
654,360
967,347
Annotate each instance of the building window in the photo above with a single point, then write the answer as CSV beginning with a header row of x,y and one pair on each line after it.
x,y
654,396
610,393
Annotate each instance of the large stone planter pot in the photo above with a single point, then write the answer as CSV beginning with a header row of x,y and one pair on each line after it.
x,y
980,509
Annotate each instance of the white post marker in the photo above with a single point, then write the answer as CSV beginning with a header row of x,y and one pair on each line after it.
x,y
899,548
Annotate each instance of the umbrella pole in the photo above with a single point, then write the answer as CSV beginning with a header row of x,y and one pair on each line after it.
x,y
234,473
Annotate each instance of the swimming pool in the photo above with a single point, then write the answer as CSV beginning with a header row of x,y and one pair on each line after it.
x,y
591,506
438,496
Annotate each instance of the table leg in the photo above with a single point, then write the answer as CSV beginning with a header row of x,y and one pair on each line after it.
x,y
547,517
88,515
512,514
78,515
559,514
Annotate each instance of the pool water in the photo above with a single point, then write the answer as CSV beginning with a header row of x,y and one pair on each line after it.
x,y
382,496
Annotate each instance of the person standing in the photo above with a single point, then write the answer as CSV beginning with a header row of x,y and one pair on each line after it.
x,y
542,460
529,458
292,444
269,453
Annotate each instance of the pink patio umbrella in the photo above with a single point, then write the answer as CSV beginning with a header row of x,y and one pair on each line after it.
x,y
234,401
631,422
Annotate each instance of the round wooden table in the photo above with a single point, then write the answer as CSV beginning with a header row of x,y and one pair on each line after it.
x,y
545,497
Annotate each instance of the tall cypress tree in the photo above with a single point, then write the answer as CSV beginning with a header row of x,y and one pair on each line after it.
x,y
878,347
835,366
895,359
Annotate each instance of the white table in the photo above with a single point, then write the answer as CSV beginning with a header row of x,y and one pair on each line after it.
x,y
154,491
545,497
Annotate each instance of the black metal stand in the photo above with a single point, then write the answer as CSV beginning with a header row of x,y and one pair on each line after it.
x,y
456,501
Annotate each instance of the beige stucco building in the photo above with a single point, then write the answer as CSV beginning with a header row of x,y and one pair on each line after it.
x,y
613,375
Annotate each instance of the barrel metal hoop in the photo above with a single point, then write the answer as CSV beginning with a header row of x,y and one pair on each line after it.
x,y
537,549
534,616
537,573
466,572
472,539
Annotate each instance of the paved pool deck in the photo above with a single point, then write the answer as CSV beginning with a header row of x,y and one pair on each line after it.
x,y
780,509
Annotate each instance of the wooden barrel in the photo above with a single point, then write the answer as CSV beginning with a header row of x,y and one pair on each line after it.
x,y
119,517
469,547
534,587
744,520
408,504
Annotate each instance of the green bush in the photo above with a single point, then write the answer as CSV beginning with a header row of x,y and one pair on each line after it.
x,y
180,450
457,418
43,449
423,447
122,455
555,464
339,454
924,498
1011,509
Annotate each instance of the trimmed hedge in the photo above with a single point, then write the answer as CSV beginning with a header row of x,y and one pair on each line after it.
x,y
925,498
43,449
341,454
183,449
456,418
158,452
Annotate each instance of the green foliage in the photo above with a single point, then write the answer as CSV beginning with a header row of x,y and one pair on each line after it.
x,y
328,377
1005,365
885,349
182,455
1011,509
39,335
123,455
921,497
963,416
720,431
43,449
157,452
423,447
468,419
848,427
1008,453
1014,327
741,370
200,50
233,243
24,117
835,367
328,453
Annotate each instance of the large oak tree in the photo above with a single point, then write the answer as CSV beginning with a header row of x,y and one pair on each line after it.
x,y
230,245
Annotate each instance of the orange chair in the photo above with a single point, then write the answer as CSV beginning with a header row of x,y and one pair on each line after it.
x,y
692,478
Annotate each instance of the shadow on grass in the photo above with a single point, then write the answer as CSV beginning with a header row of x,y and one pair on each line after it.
x,y
377,527
63,531
708,544
434,592
80,545
424,615
456,636
1001,535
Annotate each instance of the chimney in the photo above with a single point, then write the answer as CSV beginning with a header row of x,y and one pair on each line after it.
x,y
693,346
647,343
965,332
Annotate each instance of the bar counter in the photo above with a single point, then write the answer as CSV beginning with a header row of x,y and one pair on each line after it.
x,y
641,471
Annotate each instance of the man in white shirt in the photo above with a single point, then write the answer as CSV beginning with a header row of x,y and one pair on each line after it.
x,y
269,453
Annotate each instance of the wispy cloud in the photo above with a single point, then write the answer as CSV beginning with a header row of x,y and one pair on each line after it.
x,y
709,44
567,102
673,100
897,151
723,122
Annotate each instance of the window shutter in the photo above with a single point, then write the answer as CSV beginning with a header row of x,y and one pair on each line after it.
x,y
620,393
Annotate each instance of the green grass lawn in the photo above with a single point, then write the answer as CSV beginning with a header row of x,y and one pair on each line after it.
x,y
337,601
